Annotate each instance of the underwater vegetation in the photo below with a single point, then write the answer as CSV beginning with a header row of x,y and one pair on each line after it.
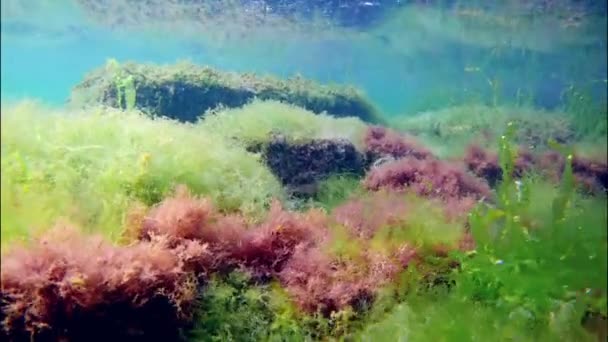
x,y
592,175
183,202
259,122
91,166
300,166
185,91
113,228
579,124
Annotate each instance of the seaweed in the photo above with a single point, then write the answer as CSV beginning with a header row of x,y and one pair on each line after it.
x,y
186,91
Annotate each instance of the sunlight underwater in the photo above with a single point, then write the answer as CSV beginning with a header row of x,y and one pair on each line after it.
x,y
373,172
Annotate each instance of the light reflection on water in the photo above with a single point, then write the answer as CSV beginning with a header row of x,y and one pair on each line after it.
x,y
404,64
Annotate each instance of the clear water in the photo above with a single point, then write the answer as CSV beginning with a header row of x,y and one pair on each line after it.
x,y
420,60
518,57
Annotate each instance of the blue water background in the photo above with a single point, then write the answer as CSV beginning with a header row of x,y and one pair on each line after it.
x,y
45,60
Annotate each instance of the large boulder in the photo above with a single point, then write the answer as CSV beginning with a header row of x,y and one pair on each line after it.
x,y
185,91
301,166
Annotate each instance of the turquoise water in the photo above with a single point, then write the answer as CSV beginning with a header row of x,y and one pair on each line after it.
x,y
48,50
484,169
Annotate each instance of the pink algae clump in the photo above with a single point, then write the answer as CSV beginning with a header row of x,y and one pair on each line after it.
x,y
591,175
383,142
483,164
267,247
73,286
69,285
364,216
234,243
292,247
180,217
319,282
428,178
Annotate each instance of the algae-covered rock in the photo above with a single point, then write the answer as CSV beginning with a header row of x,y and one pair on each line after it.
x,y
258,121
457,126
301,166
186,91
299,147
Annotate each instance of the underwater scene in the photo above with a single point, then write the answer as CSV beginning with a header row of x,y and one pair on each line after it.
x,y
304,170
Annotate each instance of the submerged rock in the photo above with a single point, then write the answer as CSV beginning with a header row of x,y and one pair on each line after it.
x,y
186,91
485,124
300,166
591,175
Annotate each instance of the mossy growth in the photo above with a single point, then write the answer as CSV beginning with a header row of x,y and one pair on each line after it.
x,y
301,148
589,116
548,245
337,189
538,271
90,167
232,307
259,121
444,317
449,131
185,91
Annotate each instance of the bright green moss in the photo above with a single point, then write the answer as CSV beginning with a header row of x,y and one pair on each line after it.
x,y
426,226
336,190
256,122
530,279
539,264
234,308
444,317
90,167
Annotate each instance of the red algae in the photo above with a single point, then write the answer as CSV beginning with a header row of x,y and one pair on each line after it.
x,y
590,174
427,178
69,285
382,142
